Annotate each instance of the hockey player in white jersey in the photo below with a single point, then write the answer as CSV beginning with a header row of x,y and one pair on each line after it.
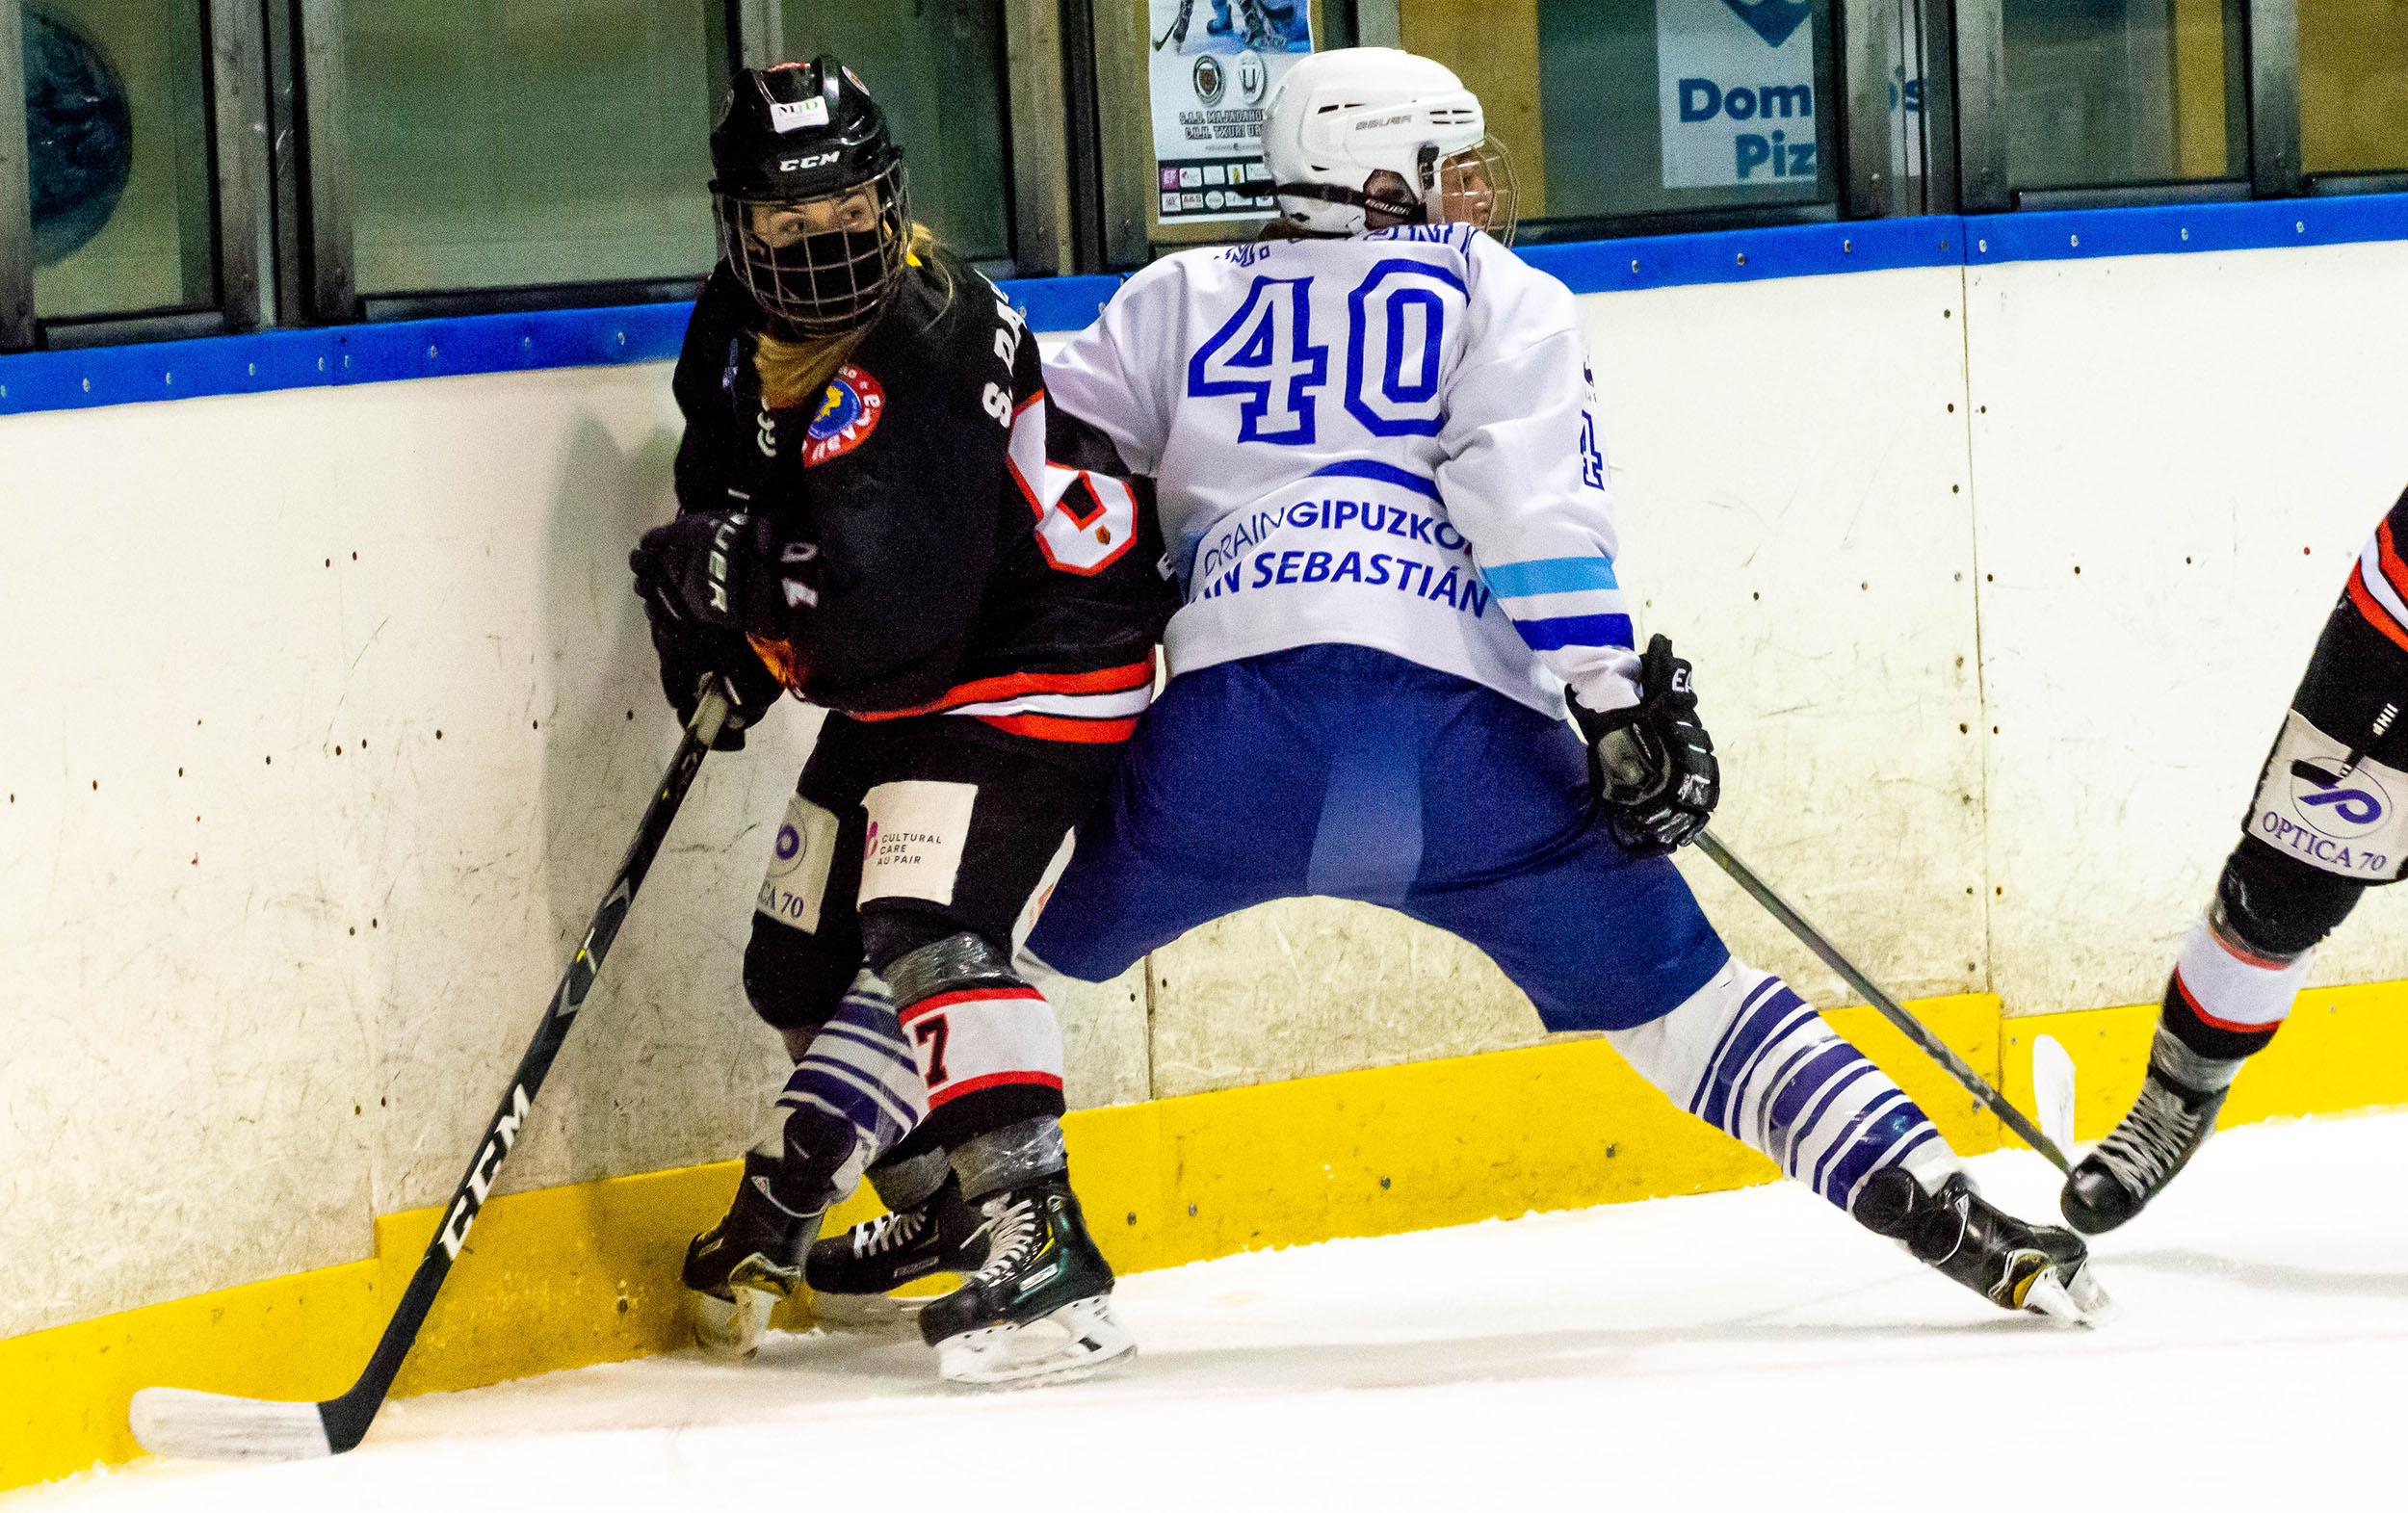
x,y
1381,483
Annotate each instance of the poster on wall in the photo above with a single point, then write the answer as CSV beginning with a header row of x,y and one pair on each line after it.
x,y
1735,91
1212,68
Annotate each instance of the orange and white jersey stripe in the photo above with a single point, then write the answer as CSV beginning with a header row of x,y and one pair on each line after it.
x,y
2378,585
1087,707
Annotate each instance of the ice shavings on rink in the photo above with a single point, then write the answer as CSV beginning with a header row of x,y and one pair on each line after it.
x,y
1747,1349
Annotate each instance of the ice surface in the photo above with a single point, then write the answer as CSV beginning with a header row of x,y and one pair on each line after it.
x,y
1749,1349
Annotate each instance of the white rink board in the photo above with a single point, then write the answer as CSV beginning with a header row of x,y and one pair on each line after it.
x,y
1795,516
1798,504
2208,438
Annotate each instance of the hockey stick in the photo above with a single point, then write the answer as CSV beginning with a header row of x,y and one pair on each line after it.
x,y
198,1425
1915,1029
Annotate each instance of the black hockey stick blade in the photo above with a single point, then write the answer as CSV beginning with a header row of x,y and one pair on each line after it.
x,y
1890,1009
196,1425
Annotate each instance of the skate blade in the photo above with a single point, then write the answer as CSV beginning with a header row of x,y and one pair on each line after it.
x,y
732,1331
1075,1341
2078,1302
867,1311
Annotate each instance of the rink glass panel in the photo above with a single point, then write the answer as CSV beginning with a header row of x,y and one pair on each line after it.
x,y
2353,85
128,227
2103,93
1593,99
551,141
936,68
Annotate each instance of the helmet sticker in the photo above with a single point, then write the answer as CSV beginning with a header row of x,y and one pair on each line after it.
x,y
848,413
795,116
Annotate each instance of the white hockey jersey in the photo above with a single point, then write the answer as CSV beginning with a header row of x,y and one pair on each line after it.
x,y
1387,440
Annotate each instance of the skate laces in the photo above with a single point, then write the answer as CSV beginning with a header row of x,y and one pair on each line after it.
x,y
1012,1230
2144,1150
889,1231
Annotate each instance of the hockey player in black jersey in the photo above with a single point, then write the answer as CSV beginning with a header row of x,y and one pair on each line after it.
x,y
2330,820
877,514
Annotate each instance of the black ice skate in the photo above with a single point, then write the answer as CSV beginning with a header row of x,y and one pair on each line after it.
x,y
851,1274
747,1264
2165,1129
2037,1268
1040,1308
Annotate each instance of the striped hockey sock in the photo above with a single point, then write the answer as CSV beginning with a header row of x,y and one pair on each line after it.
x,y
1752,1059
854,1094
2224,1001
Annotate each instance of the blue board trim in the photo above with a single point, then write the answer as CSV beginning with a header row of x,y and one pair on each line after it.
x,y
2234,226
83,379
1727,257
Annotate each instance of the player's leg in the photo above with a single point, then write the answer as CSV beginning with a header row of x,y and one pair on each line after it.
x,y
854,1090
1603,939
2327,822
961,829
1210,810
1176,37
1213,809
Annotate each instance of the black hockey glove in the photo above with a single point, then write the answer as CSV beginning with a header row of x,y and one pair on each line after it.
x,y
714,571
1652,766
688,657
692,575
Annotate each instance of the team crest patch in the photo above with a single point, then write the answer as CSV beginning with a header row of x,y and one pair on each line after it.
x,y
848,414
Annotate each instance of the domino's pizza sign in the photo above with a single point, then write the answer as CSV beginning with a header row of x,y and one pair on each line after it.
x,y
1735,91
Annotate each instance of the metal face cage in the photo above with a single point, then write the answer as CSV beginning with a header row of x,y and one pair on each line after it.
x,y
1474,186
824,265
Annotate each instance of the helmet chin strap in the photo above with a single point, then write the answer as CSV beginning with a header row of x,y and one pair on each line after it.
x,y
1408,212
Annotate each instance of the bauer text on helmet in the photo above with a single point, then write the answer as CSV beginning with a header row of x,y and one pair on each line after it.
x,y
814,215
1365,138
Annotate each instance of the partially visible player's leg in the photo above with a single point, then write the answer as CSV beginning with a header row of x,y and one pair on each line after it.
x,y
2329,820
959,838
1211,810
855,1088
1602,939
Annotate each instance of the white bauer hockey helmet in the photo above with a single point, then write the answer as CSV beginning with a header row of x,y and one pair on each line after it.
x,y
1365,138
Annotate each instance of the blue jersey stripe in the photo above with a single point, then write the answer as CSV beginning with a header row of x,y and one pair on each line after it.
x,y
1576,630
1380,472
1551,575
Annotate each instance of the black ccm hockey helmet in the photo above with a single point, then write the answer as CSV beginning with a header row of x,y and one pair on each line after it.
x,y
813,214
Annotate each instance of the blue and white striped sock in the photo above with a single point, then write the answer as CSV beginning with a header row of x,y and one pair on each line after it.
x,y
858,1075
1752,1059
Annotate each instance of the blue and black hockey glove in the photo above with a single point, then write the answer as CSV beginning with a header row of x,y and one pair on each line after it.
x,y
1652,766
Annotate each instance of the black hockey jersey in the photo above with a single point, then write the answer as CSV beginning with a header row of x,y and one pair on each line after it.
x,y
945,543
